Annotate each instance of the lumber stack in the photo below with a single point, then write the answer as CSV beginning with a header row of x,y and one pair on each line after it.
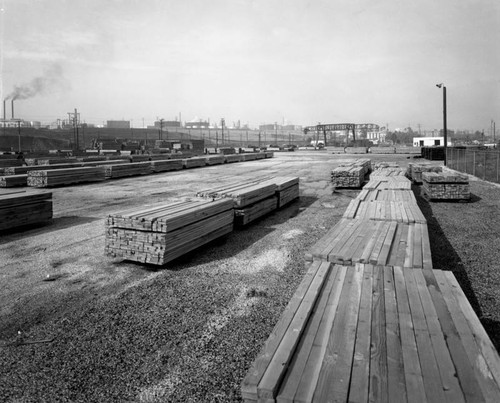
x,y
62,177
162,233
194,162
249,156
214,160
287,189
446,186
13,180
10,163
268,154
371,333
388,210
387,195
259,156
139,157
415,170
250,213
18,209
356,150
388,172
52,161
166,165
348,177
25,169
131,169
388,182
233,158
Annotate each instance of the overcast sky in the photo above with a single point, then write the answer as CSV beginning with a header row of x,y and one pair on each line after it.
x,y
257,61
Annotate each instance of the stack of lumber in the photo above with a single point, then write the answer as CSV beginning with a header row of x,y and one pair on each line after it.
x,y
415,170
22,208
62,177
387,243
433,153
249,157
388,182
226,150
336,150
214,160
446,186
156,157
259,156
233,158
252,199
372,333
356,150
131,169
387,195
348,176
106,162
13,180
268,154
31,161
161,233
92,158
10,163
379,210
139,157
287,189
52,161
25,169
388,172
194,162
167,165
408,150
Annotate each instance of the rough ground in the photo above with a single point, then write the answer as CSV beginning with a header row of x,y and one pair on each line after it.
x,y
114,331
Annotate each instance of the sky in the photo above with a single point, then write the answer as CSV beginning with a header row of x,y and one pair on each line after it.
x,y
257,61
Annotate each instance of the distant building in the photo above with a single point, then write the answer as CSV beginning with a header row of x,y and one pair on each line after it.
x,y
198,124
118,124
167,124
429,141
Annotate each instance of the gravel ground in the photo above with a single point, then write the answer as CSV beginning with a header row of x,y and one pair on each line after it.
x,y
189,332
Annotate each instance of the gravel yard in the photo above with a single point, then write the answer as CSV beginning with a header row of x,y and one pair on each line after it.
x,y
76,325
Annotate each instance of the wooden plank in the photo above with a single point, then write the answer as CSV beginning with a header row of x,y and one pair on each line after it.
x,y
409,247
387,245
417,248
426,248
275,371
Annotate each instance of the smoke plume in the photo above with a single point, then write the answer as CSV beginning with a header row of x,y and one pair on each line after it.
x,y
52,80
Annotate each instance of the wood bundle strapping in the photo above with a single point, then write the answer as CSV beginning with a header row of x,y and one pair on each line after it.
x,y
21,208
159,234
61,177
13,180
131,169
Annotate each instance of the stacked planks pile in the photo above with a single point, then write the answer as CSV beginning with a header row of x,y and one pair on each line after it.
x,y
268,154
446,186
252,200
167,165
415,170
62,177
25,169
374,333
287,189
387,195
351,174
372,321
18,209
388,183
385,210
194,162
248,156
388,172
10,163
214,160
233,158
54,160
131,169
13,180
162,233
139,157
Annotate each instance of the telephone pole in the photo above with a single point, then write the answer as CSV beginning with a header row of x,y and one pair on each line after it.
x,y
75,119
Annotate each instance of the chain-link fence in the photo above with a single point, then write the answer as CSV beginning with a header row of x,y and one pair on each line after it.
x,y
484,164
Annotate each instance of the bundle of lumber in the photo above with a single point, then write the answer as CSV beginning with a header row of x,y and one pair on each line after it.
x,y
215,160
248,156
24,208
194,162
415,170
371,333
225,150
130,169
387,243
233,158
167,165
52,161
92,158
388,182
250,213
356,150
25,169
348,177
13,180
139,157
259,156
159,157
287,188
106,162
10,163
387,195
62,177
268,154
388,172
162,233
446,186
31,161
400,211
408,150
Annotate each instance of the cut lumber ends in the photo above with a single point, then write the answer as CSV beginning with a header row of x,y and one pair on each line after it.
x,y
162,233
250,213
131,169
446,186
348,176
24,208
68,176
288,195
166,165
13,180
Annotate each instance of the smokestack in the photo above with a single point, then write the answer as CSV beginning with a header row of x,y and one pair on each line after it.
x,y
12,107
4,110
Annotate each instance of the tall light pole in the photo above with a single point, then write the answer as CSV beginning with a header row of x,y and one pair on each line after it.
x,y
445,129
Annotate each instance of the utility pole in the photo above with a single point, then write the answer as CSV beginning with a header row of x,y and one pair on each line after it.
x,y
75,118
275,134
19,135
222,128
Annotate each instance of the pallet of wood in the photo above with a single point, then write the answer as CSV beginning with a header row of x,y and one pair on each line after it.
x,y
388,172
229,158
249,213
415,170
387,243
446,186
162,233
13,180
399,211
194,162
131,169
373,333
348,177
18,209
167,165
64,177
214,160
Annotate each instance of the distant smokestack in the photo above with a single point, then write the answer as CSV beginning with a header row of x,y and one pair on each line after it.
x,y
12,107
4,110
